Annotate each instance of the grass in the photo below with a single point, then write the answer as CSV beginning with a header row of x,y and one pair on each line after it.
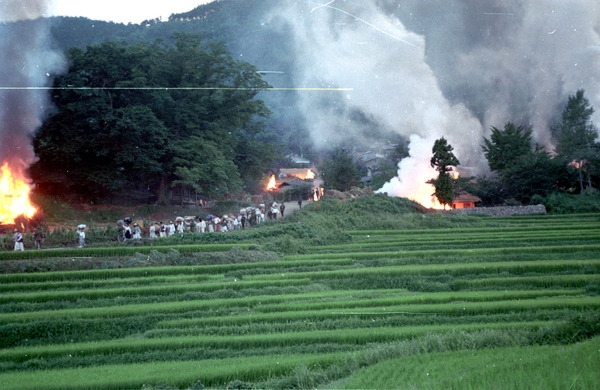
x,y
536,367
318,300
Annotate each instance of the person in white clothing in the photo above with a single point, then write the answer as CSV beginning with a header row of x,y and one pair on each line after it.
x,y
18,239
201,226
137,232
81,232
153,230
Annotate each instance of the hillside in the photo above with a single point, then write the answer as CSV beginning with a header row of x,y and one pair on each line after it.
x,y
227,21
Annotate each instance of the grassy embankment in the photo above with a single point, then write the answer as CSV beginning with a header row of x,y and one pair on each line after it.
x,y
359,294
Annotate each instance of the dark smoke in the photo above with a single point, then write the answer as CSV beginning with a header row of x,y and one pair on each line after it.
x,y
26,64
509,59
427,69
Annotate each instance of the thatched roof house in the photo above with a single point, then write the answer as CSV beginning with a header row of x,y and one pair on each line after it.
x,y
464,200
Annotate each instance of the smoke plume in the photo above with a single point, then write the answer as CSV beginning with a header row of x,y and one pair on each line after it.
x,y
441,68
26,64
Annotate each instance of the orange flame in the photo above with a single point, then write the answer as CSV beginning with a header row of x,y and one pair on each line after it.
x,y
310,175
272,185
426,199
14,196
424,196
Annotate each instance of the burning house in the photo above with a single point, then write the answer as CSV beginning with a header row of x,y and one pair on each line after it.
x,y
290,179
464,200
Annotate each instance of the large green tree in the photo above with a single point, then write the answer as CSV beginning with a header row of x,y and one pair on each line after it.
x,y
576,136
201,167
443,160
521,168
505,146
127,118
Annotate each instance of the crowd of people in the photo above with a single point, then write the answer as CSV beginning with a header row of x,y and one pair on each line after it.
x,y
130,230
245,218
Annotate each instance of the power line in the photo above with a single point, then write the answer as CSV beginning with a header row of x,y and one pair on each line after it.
x,y
176,89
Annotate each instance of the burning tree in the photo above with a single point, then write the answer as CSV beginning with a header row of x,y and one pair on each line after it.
x,y
443,160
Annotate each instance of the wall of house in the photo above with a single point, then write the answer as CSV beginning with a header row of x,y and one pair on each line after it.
x,y
463,205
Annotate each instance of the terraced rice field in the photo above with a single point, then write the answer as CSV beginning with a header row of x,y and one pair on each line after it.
x,y
305,320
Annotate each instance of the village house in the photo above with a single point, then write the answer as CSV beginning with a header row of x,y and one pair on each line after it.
x,y
464,200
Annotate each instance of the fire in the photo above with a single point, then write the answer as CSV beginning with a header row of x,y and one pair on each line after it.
x,y
272,185
310,175
14,196
424,196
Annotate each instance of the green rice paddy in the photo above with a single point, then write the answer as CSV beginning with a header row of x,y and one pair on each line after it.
x,y
511,303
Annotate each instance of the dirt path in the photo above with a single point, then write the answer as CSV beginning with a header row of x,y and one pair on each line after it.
x,y
291,207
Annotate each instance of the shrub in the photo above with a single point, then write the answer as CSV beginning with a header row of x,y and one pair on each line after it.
x,y
560,203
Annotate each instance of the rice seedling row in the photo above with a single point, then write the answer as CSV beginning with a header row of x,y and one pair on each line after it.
x,y
183,374
545,281
338,336
465,242
479,236
461,255
336,299
516,268
454,308
510,226
479,253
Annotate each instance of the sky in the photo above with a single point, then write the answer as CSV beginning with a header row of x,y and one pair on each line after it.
x,y
122,11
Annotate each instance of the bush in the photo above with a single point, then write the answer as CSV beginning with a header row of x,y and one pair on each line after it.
x,y
561,203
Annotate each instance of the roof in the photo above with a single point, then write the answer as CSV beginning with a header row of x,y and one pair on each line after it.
x,y
298,159
301,173
297,183
294,171
464,196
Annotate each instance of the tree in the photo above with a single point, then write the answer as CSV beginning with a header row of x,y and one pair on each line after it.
x,y
203,167
443,160
100,141
339,171
576,136
253,157
506,146
532,174
522,169
126,117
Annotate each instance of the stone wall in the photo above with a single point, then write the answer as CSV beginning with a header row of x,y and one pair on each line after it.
x,y
502,211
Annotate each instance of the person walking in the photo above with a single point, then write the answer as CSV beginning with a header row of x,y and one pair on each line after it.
x,y
18,239
39,237
137,232
127,232
282,209
152,230
81,233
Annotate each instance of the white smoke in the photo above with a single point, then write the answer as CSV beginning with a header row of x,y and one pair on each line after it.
x,y
439,68
25,68
361,48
